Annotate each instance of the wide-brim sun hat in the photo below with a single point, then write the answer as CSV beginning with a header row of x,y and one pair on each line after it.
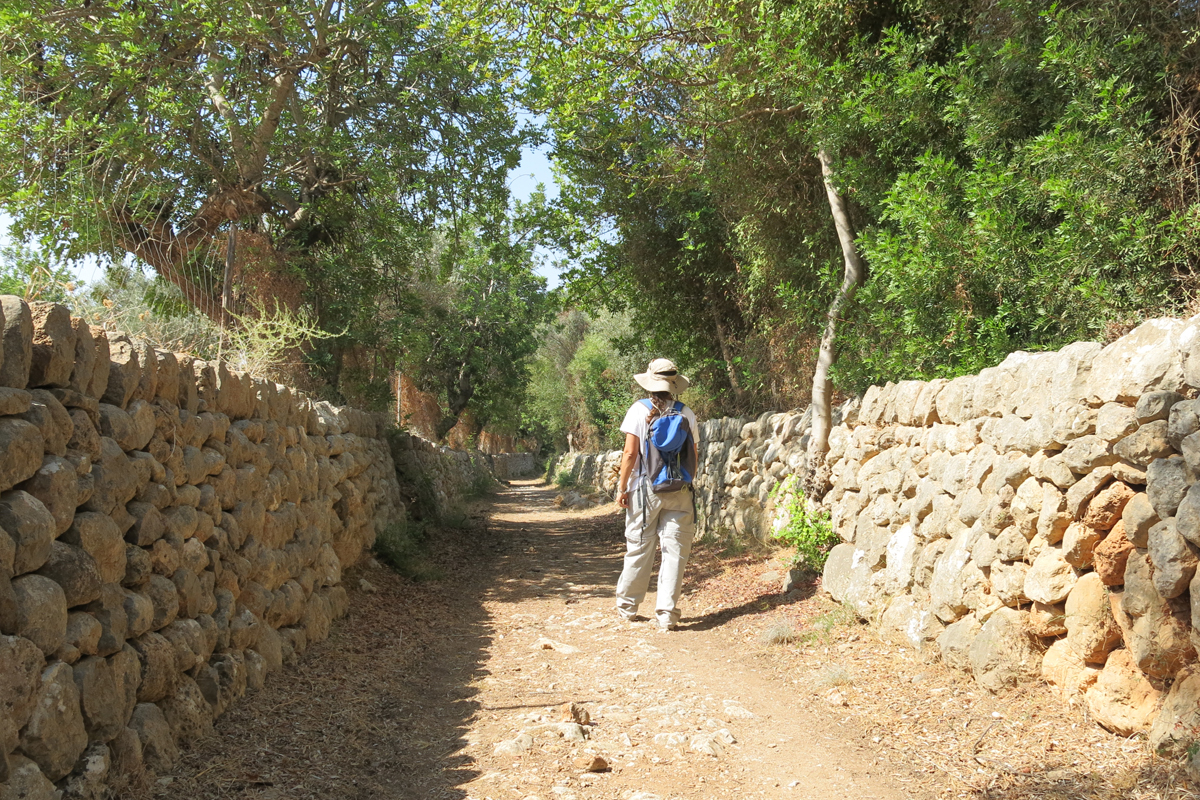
x,y
662,376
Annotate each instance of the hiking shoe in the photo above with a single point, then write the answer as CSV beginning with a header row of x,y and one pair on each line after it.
x,y
665,627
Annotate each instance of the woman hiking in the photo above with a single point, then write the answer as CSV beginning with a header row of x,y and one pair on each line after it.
x,y
657,469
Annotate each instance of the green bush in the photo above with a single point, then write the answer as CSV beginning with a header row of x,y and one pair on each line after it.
x,y
481,485
565,480
810,533
403,546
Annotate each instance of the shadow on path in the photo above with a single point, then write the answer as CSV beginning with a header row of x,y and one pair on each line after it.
x,y
382,708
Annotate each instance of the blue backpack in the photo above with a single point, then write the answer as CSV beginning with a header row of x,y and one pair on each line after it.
x,y
668,452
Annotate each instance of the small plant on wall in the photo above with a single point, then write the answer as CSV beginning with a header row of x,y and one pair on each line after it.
x,y
801,525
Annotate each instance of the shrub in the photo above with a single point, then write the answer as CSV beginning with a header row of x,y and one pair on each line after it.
x,y
403,546
565,480
482,484
808,531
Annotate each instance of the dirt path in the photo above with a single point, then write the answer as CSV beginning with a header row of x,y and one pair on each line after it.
x,y
414,690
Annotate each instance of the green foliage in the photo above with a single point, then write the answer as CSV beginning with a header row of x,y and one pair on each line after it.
x,y
565,479
1021,174
581,380
811,534
404,546
482,485
474,305
25,273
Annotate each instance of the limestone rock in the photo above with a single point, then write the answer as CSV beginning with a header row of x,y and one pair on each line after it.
x,y
1174,559
1111,555
1008,582
72,568
158,670
31,527
84,365
1138,518
99,381
55,736
1104,509
109,611
1062,667
1092,631
126,752
1050,578
52,356
1167,482
115,480
1175,727
22,445
1156,405
1141,361
1115,421
1122,700
100,538
83,633
124,371
1146,444
187,712
1187,517
1045,621
955,641
1004,654
88,781
27,782
159,751
108,692
1140,596
16,344
1084,454
84,436
55,484
165,597
1159,641
947,591
1079,543
837,572
21,664
1183,421
905,623
1079,495
41,611
52,419
14,401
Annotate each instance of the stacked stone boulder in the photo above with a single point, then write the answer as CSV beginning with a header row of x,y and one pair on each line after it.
x,y
170,532
450,476
1041,518
742,461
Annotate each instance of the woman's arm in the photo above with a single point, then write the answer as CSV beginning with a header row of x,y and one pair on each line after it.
x,y
628,457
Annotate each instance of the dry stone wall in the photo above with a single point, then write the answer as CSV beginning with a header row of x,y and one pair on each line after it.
x,y
741,463
170,533
444,478
1039,520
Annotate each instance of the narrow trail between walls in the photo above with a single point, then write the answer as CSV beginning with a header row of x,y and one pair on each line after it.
x,y
461,688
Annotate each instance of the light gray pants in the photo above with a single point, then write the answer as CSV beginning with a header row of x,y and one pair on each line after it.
x,y
670,521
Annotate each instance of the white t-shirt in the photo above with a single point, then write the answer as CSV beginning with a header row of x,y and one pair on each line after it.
x,y
635,423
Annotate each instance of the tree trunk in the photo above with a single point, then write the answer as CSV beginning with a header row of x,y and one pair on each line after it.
x,y
852,278
730,368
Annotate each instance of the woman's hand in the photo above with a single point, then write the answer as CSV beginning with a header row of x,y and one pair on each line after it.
x,y
623,499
